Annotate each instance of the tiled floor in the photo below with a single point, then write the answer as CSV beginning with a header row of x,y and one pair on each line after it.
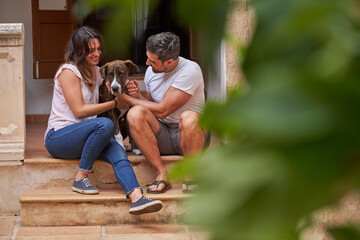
x,y
11,229
7,225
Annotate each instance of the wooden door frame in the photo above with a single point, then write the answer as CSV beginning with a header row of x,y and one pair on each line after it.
x,y
50,16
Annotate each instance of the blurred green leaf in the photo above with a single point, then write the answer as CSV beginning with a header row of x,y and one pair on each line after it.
x,y
293,137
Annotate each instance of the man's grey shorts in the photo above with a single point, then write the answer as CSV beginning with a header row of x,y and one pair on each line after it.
x,y
168,139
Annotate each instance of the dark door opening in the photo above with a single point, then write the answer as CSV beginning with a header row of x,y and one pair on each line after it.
x,y
144,25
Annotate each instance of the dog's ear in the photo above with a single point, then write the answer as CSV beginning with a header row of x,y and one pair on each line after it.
x,y
133,68
103,70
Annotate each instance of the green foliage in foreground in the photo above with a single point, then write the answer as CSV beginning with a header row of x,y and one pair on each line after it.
x,y
293,139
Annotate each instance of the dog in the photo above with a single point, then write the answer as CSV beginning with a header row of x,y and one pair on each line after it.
x,y
116,73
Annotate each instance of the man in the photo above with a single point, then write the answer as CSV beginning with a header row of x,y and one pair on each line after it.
x,y
164,120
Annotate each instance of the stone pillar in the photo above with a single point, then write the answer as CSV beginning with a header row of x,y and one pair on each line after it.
x,y
12,94
240,25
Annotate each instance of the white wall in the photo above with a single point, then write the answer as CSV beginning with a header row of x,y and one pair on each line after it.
x,y
38,93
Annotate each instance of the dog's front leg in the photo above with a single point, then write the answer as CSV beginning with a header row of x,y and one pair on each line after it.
x,y
119,138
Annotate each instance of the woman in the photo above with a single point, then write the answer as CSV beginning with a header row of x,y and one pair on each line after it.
x,y
73,129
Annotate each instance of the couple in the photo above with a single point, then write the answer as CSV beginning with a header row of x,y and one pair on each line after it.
x,y
162,121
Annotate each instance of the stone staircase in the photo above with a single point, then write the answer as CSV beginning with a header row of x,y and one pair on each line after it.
x,y
50,201
62,207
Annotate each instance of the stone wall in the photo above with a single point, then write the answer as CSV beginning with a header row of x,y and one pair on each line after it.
x,y
12,94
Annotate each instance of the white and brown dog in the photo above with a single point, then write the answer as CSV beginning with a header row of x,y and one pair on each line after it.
x,y
116,73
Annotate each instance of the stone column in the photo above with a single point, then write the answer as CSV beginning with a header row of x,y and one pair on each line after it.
x,y
12,94
240,25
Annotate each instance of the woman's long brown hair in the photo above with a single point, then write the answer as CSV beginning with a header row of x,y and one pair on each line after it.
x,y
78,48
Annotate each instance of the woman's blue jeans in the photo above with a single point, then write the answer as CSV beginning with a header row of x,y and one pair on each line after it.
x,y
90,140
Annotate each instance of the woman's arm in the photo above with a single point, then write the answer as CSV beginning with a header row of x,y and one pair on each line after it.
x,y
71,86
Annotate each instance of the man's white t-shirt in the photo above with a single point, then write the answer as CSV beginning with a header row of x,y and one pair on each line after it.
x,y
187,77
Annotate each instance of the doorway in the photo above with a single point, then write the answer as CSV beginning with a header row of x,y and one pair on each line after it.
x,y
144,24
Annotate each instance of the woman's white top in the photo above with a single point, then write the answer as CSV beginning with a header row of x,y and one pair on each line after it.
x,y
61,114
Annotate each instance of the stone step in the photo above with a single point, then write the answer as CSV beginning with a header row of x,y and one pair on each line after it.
x,y
63,207
44,172
44,158
50,172
10,228
41,171
59,173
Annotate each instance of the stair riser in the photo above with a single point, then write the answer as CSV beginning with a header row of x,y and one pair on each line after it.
x,y
95,213
103,174
47,176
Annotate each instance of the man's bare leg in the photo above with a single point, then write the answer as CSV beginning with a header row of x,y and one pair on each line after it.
x,y
192,139
143,126
191,135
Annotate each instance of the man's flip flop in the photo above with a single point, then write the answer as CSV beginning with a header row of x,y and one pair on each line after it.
x,y
157,183
187,184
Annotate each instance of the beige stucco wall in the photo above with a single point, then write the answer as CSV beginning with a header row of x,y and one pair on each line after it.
x,y
240,26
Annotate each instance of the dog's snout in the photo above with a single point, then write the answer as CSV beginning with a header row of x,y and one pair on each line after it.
x,y
115,88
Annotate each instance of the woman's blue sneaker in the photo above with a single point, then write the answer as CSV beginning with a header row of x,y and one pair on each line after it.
x,y
84,186
145,205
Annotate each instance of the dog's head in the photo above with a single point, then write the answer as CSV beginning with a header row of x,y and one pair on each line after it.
x,y
116,72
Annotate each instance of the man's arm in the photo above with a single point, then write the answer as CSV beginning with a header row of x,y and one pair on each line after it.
x,y
172,101
146,96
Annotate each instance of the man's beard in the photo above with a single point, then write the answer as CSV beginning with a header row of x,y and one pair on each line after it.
x,y
156,71
159,71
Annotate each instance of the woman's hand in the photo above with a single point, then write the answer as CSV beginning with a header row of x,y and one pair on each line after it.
x,y
107,84
133,89
121,101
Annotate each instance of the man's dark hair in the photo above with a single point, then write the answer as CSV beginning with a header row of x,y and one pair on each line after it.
x,y
165,45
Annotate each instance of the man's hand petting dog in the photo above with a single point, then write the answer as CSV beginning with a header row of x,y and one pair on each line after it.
x,y
133,89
